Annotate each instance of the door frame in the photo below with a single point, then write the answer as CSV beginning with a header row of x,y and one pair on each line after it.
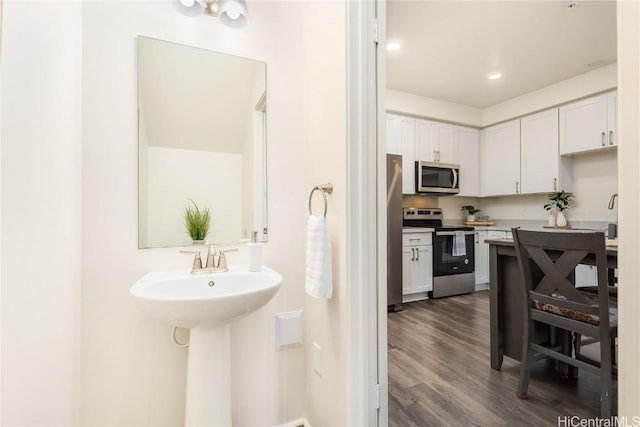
x,y
366,213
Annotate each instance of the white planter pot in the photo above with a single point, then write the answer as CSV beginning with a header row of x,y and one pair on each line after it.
x,y
561,220
471,218
552,218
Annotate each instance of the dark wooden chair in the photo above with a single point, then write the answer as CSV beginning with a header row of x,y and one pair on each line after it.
x,y
547,260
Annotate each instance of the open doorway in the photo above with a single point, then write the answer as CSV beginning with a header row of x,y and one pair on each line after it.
x,y
437,84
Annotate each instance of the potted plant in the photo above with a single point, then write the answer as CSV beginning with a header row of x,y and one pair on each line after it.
x,y
471,212
559,202
197,222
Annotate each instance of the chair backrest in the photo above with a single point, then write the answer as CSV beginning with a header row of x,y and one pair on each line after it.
x,y
547,259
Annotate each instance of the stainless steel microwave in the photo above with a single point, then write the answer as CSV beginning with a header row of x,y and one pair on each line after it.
x,y
434,177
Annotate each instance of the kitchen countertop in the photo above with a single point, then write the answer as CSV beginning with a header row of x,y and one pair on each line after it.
x,y
538,225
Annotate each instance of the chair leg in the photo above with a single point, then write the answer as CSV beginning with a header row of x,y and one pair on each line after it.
x,y
525,363
606,382
613,351
577,345
567,344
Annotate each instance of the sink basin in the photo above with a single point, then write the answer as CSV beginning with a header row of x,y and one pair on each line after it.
x,y
186,300
206,304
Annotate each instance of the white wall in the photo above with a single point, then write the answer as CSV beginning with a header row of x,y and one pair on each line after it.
x,y
629,247
41,212
326,321
131,373
421,106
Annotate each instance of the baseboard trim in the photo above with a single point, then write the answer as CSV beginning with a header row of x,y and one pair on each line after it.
x,y
300,422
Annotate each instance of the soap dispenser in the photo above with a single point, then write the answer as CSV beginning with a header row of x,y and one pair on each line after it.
x,y
255,253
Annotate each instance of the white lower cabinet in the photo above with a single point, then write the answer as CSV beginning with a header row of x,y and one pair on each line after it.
x,y
482,258
417,266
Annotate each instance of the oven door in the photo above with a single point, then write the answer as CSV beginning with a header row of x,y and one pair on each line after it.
x,y
437,178
444,262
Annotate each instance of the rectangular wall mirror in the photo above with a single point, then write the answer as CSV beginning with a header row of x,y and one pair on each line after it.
x,y
201,138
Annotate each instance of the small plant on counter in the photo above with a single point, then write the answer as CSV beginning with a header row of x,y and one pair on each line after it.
x,y
470,210
559,201
197,221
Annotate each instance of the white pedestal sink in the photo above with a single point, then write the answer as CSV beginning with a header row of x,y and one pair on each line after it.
x,y
207,304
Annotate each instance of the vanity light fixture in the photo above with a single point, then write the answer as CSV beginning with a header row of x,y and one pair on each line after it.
x,y
232,13
494,76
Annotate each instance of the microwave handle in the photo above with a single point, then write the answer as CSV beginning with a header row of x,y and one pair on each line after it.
x,y
455,178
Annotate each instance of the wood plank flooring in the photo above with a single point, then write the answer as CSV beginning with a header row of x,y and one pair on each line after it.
x,y
440,374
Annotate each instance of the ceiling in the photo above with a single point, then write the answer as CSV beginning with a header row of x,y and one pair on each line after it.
x,y
449,47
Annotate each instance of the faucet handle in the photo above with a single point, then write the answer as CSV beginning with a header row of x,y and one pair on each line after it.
x,y
197,261
222,259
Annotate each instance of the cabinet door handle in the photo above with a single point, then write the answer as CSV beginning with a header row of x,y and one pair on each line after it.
x,y
438,155
603,141
517,187
435,156
555,184
413,254
477,237
414,240
610,137
417,254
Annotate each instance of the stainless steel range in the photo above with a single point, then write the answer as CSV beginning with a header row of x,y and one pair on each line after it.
x,y
453,252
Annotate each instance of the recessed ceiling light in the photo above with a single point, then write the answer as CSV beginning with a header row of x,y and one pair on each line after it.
x,y
571,5
494,76
393,46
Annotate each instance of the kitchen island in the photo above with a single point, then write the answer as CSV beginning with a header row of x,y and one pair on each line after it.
x,y
506,300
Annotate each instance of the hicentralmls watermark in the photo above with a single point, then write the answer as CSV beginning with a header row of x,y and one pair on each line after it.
x,y
575,421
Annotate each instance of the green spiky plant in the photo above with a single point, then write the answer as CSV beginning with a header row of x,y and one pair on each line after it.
x,y
197,221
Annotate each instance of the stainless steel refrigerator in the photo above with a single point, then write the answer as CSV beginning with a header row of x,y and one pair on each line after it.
x,y
394,232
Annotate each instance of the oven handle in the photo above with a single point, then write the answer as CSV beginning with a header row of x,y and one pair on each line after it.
x,y
451,233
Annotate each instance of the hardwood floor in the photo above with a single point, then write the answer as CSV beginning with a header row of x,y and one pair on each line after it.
x,y
440,374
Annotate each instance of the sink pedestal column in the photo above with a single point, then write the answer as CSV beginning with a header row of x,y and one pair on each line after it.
x,y
208,377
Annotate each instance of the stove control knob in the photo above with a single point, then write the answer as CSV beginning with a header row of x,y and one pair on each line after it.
x,y
466,261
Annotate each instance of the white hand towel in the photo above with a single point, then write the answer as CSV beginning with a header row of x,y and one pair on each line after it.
x,y
318,281
459,246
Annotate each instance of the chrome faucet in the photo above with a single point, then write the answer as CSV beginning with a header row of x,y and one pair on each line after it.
x,y
612,201
211,266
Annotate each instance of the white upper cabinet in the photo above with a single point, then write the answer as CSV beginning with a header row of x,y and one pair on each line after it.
x,y
434,142
589,124
500,153
541,168
400,140
612,118
467,142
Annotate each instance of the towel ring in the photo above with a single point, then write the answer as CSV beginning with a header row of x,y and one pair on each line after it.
x,y
324,189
